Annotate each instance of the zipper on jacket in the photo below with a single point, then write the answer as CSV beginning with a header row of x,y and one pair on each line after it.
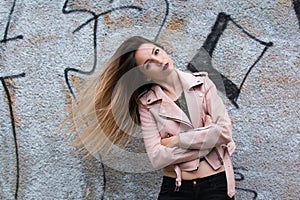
x,y
181,121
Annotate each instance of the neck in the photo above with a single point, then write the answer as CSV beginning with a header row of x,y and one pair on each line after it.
x,y
172,85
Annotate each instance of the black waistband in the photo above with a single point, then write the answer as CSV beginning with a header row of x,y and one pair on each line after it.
x,y
197,180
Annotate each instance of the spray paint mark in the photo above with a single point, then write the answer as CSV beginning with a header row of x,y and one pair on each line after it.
x,y
95,26
5,39
164,20
11,113
202,60
4,85
241,177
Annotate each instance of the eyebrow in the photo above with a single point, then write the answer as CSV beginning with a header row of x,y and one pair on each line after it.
x,y
151,54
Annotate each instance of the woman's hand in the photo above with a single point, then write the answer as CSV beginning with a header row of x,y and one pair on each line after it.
x,y
171,141
208,120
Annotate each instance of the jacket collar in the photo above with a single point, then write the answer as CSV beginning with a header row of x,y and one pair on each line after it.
x,y
168,107
188,80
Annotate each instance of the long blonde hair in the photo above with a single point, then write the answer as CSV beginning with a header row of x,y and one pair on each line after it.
x,y
106,112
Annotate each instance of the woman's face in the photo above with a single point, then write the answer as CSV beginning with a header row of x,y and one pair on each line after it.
x,y
153,62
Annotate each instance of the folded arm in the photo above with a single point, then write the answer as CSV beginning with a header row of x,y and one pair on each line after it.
x,y
160,155
219,129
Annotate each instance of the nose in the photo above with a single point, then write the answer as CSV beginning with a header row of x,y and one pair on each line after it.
x,y
157,59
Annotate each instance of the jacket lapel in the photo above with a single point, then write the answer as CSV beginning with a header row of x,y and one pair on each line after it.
x,y
193,108
168,109
193,98
171,111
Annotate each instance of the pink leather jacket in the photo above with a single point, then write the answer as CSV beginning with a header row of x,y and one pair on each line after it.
x,y
159,116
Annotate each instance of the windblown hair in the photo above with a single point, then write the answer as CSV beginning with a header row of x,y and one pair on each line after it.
x,y
106,112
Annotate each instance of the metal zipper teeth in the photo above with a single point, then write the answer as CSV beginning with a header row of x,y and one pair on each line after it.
x,y
181,121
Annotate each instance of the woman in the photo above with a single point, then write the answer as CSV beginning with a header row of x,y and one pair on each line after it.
x,y
185,126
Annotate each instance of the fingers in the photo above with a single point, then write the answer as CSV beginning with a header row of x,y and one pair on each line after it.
x,y
208,120
170,141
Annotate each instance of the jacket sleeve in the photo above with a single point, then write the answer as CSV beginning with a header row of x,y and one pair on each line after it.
x,y
219,132
159,155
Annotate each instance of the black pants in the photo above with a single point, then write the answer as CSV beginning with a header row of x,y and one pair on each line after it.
x,y
209,188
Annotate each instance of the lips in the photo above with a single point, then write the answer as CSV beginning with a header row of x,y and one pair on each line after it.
x,y
166,66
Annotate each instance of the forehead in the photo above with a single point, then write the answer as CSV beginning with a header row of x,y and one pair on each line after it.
x,y
143,53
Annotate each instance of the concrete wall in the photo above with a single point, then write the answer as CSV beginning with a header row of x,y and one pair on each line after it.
x,y
40,39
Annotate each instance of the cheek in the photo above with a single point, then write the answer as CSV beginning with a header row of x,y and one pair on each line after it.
x,y
144,71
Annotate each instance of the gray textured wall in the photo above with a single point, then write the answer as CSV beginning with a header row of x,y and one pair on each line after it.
x,y
40,39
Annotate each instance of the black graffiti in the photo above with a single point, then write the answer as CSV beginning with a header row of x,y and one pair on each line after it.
x,y
202,60
296,4
6,39
11,113
164,20
94,18
14,132
241,177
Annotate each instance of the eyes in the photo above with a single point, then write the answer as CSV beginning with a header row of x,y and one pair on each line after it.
x,y
156,51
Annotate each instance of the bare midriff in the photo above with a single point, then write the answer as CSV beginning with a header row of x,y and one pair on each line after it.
x,y
203,170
